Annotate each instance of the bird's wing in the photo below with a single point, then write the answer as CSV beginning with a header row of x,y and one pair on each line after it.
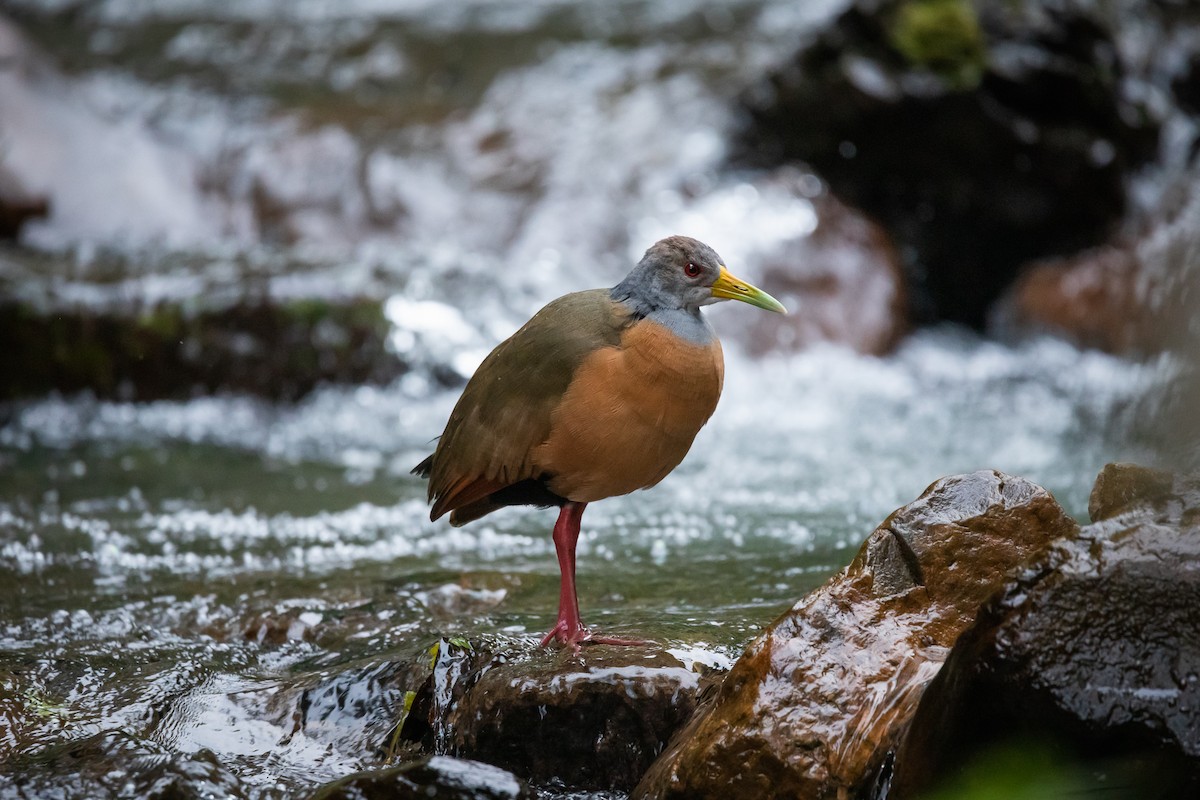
x,y
504,412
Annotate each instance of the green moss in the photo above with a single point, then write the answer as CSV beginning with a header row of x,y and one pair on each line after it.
x,y
166,321
942,36
308,310
1016,771
169,350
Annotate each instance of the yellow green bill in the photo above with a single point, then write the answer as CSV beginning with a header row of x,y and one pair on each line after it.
x,y
728,287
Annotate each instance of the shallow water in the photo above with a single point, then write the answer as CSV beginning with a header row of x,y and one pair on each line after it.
x,y
178,571
172,565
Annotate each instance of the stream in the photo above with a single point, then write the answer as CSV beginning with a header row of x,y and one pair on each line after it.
x,y
170,569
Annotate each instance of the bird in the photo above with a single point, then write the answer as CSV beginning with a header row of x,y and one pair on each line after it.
x,y
599,394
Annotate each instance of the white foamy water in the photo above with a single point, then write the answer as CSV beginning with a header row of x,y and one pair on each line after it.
x,y
810,448
521,181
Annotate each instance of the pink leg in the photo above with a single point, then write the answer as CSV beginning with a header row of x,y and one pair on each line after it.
x,y
569,629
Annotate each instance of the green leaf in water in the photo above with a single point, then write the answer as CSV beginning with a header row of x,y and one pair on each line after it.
x,y
39,705
394,741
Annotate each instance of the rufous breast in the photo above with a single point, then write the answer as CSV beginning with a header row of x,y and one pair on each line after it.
x,y
630,413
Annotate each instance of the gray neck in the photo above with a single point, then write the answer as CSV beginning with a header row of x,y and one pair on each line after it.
x,y
686,323
641,292
648,300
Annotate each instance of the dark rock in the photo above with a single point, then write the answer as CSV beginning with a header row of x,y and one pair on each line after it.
x,y
16,212
982,136
17,205
592,721
1096,651
843,283
1186,85
438,777
279,350
815,703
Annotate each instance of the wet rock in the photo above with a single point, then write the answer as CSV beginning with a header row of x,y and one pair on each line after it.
x,y
115,765
1090,298
592,721
273,629
843,283
453,600
438,776
1127,487
184,776
982,136
1133,297
280,350
815,703
14,212
1097,651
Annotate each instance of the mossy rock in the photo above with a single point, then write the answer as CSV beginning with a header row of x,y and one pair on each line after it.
x,y
277,350
943,36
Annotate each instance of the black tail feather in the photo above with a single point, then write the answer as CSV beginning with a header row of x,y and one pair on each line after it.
x,y
529,492
424,468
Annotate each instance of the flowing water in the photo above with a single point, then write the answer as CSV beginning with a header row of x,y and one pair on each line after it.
x,y
170,569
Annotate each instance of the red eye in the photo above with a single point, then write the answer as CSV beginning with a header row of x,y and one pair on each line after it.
x,y
691,270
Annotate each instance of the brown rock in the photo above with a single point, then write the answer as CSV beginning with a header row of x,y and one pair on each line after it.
x,y
1131,298
843,283
815,703
1120,487
1095,653
594,721
1093,299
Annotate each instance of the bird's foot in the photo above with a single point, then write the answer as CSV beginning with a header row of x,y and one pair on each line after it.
x,y
575,636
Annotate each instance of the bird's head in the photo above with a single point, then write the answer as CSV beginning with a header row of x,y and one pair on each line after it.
x,y
681,272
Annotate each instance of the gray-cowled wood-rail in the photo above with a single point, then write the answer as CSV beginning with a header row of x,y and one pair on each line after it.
x,y
601,393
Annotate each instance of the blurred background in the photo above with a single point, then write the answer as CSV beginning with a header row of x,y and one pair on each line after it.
x,y
250,252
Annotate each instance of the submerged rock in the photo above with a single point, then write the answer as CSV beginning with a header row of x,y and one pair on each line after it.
x,y
438,777
1095,654
816,702
117,765
592,721
980,135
